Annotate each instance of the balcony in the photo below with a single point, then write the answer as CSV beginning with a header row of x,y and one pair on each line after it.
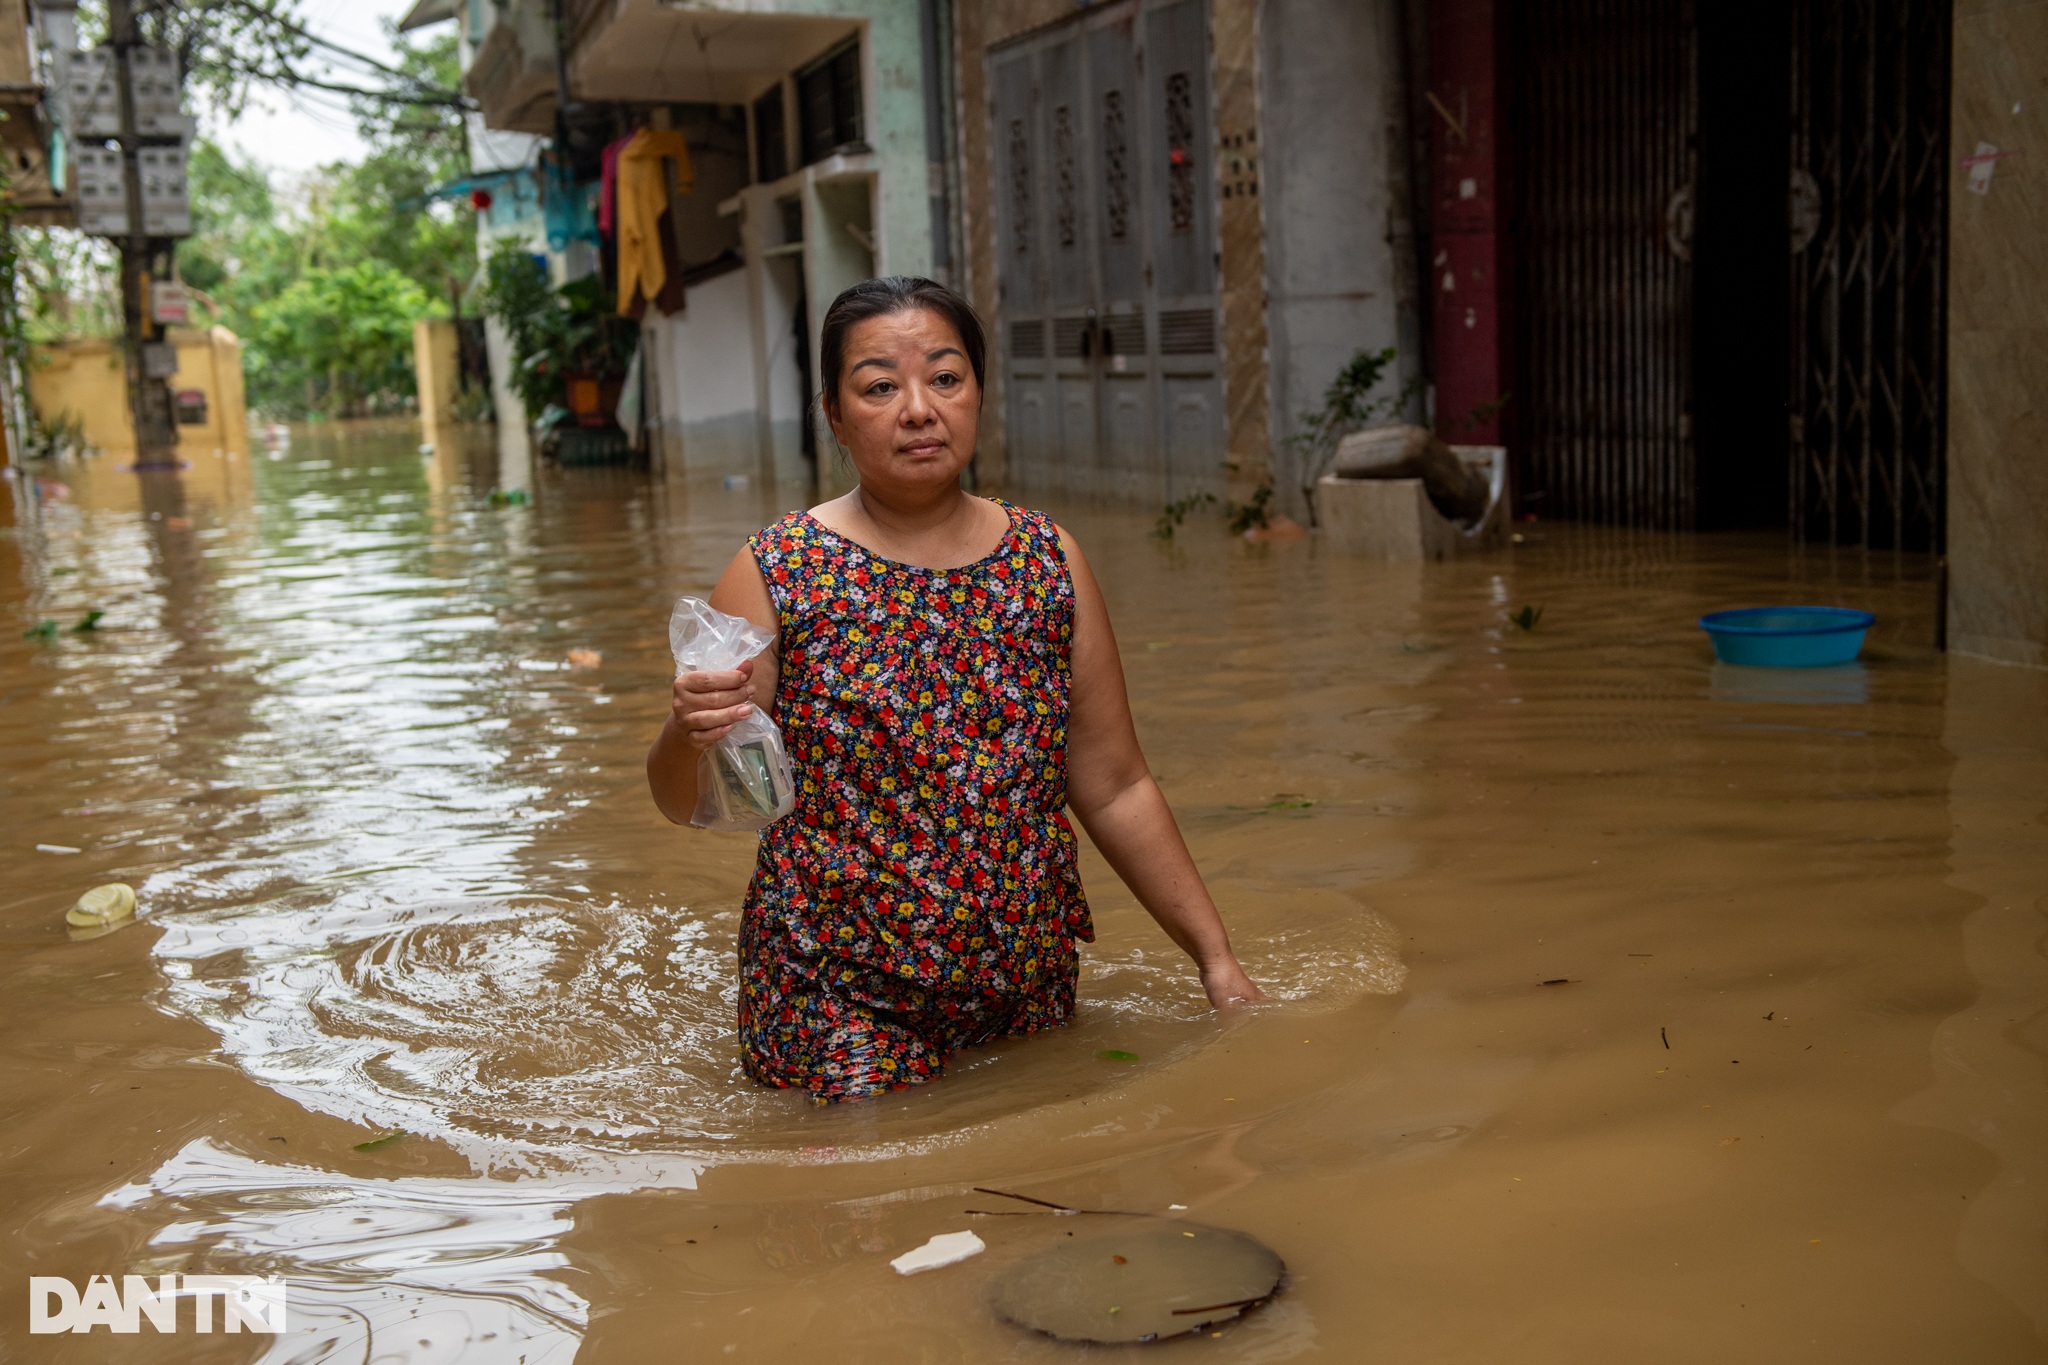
x,y
648,51
513,74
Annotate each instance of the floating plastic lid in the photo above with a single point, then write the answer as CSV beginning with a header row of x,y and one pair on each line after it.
x,y
109,904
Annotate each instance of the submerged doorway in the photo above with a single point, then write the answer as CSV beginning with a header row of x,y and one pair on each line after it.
x,y
1106,253
1731,245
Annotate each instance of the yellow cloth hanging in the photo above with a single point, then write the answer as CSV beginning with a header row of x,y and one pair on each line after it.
x,y
640,199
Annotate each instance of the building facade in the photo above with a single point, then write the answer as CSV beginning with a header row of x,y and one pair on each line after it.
x,y
1171,290
811,155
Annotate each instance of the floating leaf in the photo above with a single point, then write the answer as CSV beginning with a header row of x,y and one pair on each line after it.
x,y
1527,617
90,621
378,1144
1117,1054
41,630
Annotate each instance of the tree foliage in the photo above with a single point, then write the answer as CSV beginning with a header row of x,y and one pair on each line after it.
x,y
231,48
343,336
361,236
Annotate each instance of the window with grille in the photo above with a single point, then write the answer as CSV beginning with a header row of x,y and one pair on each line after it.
x,y
1116,198
1063,173
829,103
1180,152
1027,339
1020,187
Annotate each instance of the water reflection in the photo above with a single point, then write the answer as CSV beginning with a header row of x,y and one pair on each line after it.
x,y
1839,685
417,1269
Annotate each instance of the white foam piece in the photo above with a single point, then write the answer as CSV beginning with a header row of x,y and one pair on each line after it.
x,y
948,1248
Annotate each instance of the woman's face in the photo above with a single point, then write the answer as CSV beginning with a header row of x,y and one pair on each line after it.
x,y
908,408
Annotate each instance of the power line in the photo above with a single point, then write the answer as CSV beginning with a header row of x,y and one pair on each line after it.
x,y
293,79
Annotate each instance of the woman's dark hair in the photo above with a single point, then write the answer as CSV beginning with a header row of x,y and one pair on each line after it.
x,y
882,297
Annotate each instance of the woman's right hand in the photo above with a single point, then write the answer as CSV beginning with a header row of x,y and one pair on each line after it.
x,y
705,706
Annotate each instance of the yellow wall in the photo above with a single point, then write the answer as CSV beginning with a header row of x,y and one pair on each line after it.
x,y
86,379
437,364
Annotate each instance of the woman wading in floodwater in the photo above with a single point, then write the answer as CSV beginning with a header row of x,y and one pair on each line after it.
x,y
947,683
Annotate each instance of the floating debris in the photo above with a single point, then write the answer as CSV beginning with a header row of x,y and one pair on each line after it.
x,y
1026,1199
1527,617
41,630
101,906
1116,1054
585,658
89,622
379,1144
948,1248
1151,1279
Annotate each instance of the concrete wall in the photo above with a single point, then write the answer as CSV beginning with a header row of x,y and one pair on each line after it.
x,y
1998,336
702,380
1334,185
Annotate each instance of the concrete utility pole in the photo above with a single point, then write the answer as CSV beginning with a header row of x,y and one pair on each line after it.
x,y
149,396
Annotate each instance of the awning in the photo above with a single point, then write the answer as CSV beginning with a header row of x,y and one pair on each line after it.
x,y
460,189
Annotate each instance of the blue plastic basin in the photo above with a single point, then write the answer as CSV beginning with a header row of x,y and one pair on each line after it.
x,y
1787,637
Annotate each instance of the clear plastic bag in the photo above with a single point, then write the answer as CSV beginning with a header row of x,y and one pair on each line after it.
x,y
744,781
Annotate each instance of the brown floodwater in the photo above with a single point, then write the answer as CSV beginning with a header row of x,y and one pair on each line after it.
x,y
1624,1005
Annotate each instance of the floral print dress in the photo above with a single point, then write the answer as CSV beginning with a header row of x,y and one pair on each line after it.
x,y
923,894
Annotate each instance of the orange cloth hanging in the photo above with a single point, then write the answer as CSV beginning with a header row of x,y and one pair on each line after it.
x,y
642,196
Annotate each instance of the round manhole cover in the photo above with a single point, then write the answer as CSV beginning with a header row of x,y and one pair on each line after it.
x,y
1148,1280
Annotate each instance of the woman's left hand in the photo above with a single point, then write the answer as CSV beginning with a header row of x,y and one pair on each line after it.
x,y
1227,986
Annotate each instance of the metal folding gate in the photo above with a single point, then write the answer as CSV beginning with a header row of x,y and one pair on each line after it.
x,y
1606,106
1869,288
1106,253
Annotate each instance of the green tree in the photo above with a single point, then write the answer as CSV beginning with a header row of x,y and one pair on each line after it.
x,y
230,47
343,336
264,264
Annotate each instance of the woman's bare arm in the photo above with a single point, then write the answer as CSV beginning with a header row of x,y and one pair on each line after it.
x,y
703,707
1119,803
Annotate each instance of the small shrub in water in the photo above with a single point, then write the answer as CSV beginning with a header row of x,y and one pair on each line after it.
x,y
1246,515
1174,513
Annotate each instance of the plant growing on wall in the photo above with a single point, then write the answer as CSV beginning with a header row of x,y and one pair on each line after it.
x,y
553,332
1348,405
